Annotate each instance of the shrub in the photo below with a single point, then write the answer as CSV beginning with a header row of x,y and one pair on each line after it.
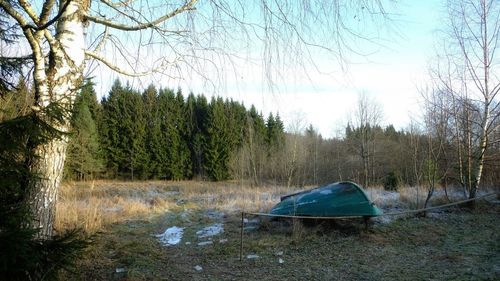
x,y
391,182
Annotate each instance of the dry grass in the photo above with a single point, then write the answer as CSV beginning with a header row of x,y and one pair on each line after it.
x,y
92,206
413,197
463,243
232,197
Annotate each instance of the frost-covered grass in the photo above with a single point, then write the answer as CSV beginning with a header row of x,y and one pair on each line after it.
x,y
133,221
459,245
94,205
413,197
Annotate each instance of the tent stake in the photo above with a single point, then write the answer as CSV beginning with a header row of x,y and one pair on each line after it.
x,y
241,235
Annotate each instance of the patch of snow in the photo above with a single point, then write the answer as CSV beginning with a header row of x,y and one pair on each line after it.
x,y
171,236
204,243
252,256
280,253
188,243
280,260
120,270
222,241
198,268
210,230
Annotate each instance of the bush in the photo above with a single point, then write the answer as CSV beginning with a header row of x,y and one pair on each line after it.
x,y
391,182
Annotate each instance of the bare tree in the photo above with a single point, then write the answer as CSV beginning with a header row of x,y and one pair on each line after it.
x,y
294,149
467,73
367,116
437,115
174,38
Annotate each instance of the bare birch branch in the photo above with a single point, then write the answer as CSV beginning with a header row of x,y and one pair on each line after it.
x,y
100,20
116,68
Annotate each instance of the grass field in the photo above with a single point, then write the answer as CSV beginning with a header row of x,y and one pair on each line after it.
x,y
123,218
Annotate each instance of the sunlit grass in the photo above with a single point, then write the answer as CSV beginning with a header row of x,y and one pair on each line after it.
x,y
92,206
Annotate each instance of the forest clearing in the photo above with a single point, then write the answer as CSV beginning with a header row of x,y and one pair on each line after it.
x,y
126,221
153,140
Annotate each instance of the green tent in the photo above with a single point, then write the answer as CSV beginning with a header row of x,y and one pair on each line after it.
x,y
340,199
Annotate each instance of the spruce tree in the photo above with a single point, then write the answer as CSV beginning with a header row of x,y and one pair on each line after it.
x,y
83,159
124,133
134,134
196,113
16,102
275,136
153,131
109,130
217,145
184,153
168,138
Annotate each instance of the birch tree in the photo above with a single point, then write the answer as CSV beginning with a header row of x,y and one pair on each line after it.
x,y
467,73
175,38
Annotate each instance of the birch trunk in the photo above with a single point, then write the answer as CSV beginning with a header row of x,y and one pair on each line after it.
x,y
43,195
55,84
487,96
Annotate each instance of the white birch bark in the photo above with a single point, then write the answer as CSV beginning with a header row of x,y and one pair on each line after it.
x,y
56,83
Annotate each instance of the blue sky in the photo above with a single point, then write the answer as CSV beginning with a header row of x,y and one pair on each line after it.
x,y
391,74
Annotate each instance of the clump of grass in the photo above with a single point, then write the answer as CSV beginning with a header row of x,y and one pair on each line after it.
x,y
413,197
298,231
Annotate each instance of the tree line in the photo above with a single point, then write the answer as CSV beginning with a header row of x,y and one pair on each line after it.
x,y
161,134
